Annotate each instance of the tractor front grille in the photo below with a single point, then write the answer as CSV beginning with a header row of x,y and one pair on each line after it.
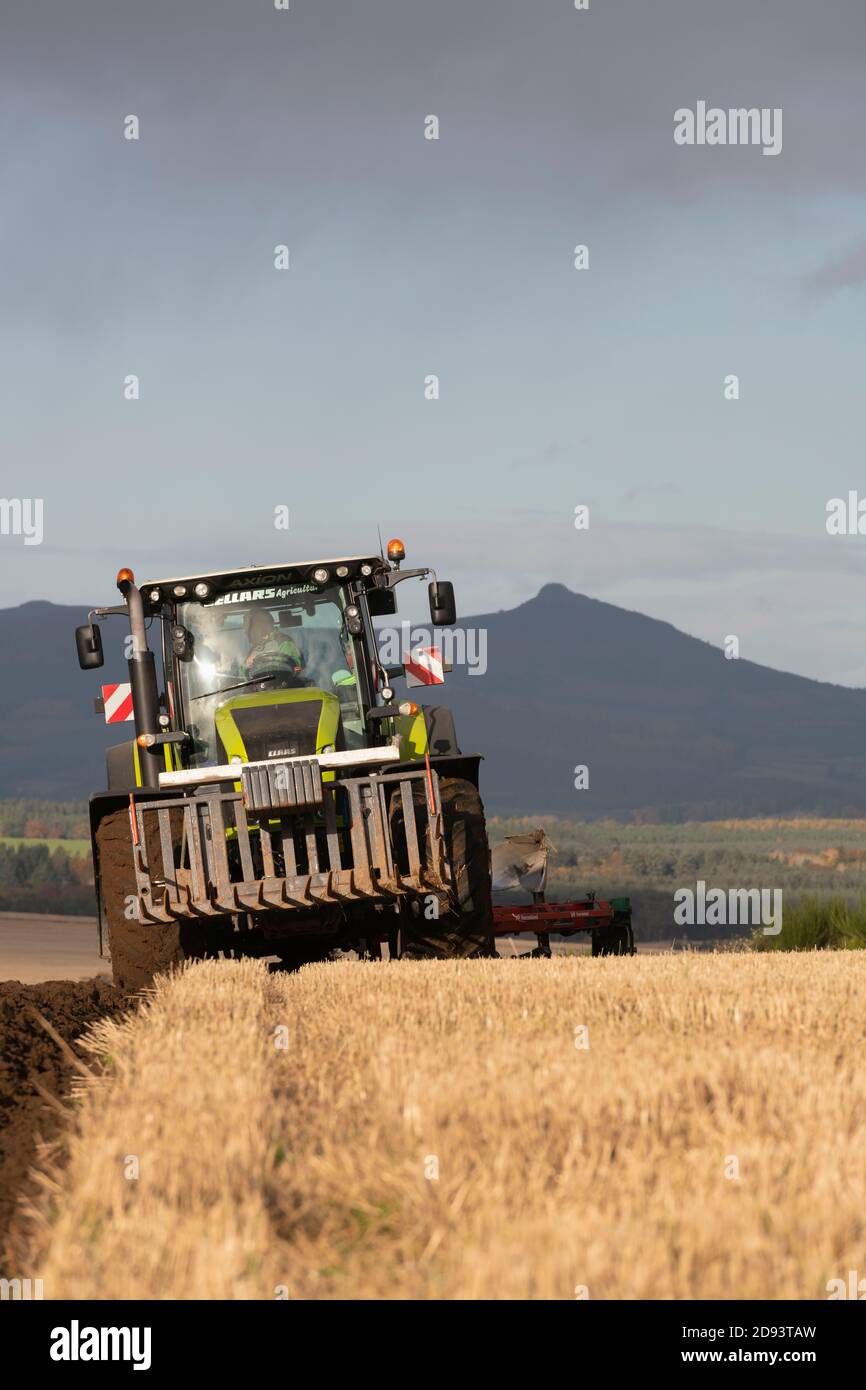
x,y
295,786
221,852
278,730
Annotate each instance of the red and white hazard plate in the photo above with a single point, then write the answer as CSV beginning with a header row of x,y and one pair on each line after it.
x,y
117,700
423,666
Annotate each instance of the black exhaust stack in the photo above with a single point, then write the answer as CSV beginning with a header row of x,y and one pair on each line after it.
x,y
142,680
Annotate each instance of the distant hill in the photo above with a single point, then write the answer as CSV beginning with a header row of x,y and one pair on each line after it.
x,y
668,728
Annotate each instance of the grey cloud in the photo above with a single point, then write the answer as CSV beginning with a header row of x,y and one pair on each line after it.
x,y
306,125
843,272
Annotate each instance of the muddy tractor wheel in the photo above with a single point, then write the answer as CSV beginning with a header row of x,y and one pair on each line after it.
x,y
464,927
139,950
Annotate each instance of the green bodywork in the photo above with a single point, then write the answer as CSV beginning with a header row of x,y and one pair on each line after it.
x,y
411,727
326,734
172,761
413,730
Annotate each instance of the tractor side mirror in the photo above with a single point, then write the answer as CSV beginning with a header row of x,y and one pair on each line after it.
x,y
88,640
443,610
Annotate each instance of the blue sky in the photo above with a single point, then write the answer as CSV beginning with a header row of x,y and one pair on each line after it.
x,y
454,257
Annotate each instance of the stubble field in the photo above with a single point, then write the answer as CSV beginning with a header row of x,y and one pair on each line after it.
x,y
649,1127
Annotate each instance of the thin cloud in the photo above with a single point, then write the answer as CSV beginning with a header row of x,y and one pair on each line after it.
x,y
845,272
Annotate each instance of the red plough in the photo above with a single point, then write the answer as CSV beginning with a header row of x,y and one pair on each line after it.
x,y
521,861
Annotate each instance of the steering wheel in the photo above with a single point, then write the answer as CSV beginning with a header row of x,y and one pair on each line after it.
x,y
281,679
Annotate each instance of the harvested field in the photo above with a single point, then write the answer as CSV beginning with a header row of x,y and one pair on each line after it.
x,y
433,1131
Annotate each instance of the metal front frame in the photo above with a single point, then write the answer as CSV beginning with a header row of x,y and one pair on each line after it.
x,y
194,874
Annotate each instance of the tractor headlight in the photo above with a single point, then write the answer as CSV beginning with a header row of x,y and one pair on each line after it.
x,y
341,571
354,621
154,596
179,591
321,576
202,590
366,570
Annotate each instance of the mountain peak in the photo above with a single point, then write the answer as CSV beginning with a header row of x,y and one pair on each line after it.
x,y
556,593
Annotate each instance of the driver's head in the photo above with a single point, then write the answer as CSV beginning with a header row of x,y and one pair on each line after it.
x,y
258,626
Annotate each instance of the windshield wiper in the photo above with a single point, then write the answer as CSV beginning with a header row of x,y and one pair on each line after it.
x,y
224,690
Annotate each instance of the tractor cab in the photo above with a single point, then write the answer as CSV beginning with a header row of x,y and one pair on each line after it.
x,y
263,664
270,672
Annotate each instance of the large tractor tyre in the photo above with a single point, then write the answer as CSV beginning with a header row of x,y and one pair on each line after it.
x,y
465,928
139,950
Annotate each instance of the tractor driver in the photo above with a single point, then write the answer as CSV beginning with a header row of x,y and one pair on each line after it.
x,y
271,649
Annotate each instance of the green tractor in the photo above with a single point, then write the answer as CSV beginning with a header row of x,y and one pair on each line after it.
x,y
278,799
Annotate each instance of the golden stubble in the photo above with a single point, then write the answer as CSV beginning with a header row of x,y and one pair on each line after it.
x,y
688,1126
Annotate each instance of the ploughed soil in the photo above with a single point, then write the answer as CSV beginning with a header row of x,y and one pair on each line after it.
x,y
28,1055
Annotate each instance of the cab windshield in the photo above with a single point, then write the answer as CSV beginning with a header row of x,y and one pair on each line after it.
x,y
285,637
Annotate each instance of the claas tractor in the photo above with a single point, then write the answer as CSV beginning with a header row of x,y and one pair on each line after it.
x,y
278,799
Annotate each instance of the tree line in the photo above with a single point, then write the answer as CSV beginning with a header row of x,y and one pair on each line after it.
x,y
35,878
30,819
